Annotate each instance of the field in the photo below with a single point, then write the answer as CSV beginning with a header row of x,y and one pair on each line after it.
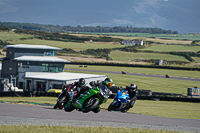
x,y
186,37
73,45
172,48
165,38
12,36
116,56
130,56
147,83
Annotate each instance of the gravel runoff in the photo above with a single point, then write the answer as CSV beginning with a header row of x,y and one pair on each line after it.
x,y
9,120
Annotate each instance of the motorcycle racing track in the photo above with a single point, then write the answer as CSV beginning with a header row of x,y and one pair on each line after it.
x,y
141,74
21,114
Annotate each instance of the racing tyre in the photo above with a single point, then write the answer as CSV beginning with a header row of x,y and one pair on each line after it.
x,y
97,110
124,110
112,106
63,104
69,108
56,106
90,104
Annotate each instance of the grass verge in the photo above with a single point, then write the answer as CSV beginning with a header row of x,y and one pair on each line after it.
x,y
68,129
181,110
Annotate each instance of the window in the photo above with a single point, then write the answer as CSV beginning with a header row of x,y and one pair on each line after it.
x,y
52,67
45,68
50,53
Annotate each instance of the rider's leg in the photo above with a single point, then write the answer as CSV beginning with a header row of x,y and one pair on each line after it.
x,y
131,103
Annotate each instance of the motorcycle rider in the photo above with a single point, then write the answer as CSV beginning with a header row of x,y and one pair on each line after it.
x,y
81,87
107,83
132,91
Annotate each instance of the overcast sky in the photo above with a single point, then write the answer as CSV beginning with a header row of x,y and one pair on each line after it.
x,y
180,15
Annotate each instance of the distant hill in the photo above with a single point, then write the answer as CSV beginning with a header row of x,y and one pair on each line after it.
x,y
97,29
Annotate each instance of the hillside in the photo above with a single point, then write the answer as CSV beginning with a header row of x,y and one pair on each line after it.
x,y
107,49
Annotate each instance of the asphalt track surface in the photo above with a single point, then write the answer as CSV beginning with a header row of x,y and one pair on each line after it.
x,y
141,74
21,114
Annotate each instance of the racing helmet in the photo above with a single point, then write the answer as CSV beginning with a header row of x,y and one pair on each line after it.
x,y
81,82
133,87
108,82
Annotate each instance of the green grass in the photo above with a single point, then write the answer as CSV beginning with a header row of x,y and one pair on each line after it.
x,y
72,45
181,73
73,129
183,110
11,36
130,56
43,100
148,35
147,83
197,59
171,48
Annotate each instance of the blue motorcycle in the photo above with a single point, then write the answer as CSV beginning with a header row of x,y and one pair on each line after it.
x,y
120,102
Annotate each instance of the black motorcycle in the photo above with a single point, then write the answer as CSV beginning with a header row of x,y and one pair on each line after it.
x,y
64,96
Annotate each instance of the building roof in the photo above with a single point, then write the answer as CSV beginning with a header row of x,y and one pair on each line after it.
x,y
26,46
41,59
62,76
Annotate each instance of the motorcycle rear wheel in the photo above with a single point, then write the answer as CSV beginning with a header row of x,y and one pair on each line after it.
x,y
90,104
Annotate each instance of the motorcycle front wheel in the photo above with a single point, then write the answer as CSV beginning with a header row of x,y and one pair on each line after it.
x,y
125,110
69,108
56,106
90,104
61,103
112,106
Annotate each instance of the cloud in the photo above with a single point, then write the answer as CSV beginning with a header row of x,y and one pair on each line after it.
x,y
147,6
147,13
122,22
5,7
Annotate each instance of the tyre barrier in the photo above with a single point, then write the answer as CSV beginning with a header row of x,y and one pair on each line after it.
x,y
164,98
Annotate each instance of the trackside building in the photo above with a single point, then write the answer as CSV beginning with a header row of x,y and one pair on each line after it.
x,y
35,68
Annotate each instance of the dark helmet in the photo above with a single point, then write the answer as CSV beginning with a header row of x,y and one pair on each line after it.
x,y
133,87
108,82
81,82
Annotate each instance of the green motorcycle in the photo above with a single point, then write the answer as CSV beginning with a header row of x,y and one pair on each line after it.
x,y
89,100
